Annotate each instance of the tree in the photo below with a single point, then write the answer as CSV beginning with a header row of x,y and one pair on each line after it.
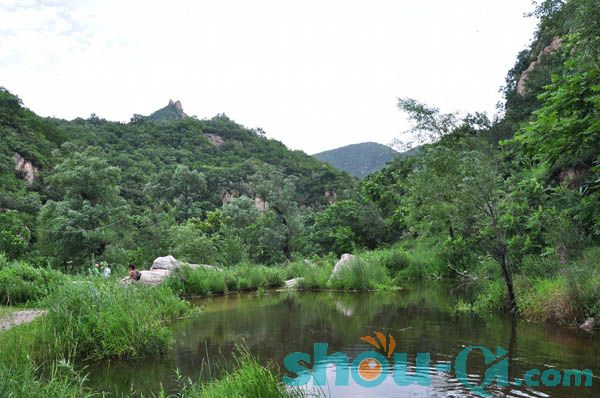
x,y
86,219
347,225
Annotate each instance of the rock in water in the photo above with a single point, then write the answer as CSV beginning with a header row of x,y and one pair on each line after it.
x,y
344,262
589,325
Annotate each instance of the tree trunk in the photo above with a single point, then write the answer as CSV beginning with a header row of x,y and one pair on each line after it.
x,y
512,302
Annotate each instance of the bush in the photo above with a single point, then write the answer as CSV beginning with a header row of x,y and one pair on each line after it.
x,y
21,283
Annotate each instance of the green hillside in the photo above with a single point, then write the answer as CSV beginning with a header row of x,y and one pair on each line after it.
x,y
119,190
359,160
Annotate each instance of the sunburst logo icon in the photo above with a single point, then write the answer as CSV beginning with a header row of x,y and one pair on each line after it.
x,y
370,368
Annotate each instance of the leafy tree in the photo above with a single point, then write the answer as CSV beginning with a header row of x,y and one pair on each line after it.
x,y
347,225
86,219
14,235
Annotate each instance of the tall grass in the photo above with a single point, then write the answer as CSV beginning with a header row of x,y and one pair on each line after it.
x,y
186,281
360,274
248,379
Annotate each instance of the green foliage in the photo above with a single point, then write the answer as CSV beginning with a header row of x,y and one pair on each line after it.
x,y
21,283
346,225
14,235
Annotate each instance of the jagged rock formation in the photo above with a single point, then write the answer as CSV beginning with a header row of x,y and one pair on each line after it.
x,y
173,111
553,46
25,166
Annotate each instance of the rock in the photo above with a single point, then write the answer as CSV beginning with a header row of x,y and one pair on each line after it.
x,y
344,262
205,266
214,139
162,268
154,277
167,263
553,46
25,166
293,283
589,325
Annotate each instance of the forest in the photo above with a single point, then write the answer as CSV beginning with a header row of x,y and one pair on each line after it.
x,y
509,203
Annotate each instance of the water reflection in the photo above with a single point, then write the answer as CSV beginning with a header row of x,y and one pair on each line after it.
x,y
421,319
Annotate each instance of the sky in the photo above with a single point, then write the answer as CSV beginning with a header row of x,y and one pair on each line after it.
x,y
314,74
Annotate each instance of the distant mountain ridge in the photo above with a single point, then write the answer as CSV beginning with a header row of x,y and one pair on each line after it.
x,y
359,160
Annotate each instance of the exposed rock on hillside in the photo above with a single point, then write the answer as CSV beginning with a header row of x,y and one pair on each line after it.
x,y
521,84
25,166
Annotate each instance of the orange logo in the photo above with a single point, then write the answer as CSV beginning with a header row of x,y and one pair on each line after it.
x,y
370,368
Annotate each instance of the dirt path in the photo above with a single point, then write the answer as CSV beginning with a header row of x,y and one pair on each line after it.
x,y
19,317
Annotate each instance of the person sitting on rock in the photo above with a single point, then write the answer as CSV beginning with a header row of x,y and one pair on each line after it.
x,y
134,274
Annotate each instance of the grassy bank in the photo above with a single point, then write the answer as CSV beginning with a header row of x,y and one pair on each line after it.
x,y
85,320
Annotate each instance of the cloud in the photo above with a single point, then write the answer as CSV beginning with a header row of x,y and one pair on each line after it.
x,y
314,74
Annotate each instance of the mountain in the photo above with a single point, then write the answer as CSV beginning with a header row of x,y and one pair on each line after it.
x,y
173,111
359,160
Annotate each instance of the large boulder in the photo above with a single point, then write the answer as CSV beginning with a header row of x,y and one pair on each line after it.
x,y
154,277
344,262
168,263
161,269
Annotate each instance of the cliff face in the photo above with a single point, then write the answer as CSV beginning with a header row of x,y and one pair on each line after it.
x,y
25,166
550,48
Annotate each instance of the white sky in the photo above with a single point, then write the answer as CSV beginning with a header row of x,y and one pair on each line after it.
x,y
314,74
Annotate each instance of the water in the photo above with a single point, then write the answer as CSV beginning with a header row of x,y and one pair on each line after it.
x,y
421,319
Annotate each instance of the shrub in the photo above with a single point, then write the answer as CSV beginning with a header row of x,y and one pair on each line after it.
x,y
21,283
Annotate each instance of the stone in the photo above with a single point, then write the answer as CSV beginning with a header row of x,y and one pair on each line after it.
x,y
154,277
25,166
343,263
589,325
166,263
293,283
553,46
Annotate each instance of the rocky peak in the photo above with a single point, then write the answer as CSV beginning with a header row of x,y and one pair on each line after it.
x,y
174,110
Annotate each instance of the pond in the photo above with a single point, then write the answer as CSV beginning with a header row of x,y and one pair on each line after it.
x,y
420,318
